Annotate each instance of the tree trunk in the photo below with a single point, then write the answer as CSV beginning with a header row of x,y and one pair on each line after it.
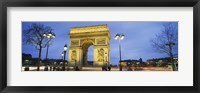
x,y
172,59
39,57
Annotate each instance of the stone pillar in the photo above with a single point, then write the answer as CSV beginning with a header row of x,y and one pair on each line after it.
x,y
100,57
75,56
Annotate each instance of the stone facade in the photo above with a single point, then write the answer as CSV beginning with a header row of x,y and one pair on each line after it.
x,y
81,38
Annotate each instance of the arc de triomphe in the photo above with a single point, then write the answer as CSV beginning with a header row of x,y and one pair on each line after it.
x,y
81,38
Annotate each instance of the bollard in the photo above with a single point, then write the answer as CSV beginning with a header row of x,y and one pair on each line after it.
x,y
26,69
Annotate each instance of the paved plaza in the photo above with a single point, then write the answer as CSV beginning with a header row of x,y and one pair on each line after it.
x,y
112,69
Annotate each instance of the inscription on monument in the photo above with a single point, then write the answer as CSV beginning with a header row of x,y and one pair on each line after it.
x,y
75,43
101,41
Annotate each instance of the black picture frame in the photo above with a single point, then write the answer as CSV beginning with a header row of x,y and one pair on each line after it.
x,y
98,3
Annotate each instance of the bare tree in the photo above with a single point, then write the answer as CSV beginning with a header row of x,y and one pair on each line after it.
x,y
167,41
33,35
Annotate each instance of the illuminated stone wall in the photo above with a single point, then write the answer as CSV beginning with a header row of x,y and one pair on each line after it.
x,y
81,38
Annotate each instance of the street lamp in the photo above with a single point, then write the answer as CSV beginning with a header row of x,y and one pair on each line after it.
x,y
106,54
65,50
49,35
62,54
119,37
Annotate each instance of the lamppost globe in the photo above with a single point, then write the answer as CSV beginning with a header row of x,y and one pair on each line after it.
x,y
122,37
54,36
65,47
62,54
44,35
50,34
117,36
48,37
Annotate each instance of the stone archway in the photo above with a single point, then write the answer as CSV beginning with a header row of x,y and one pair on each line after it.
x,y
81,38
85,45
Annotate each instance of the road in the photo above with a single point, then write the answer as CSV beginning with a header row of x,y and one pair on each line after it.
x,y
112,68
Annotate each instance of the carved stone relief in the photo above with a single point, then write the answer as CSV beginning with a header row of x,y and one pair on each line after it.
x,y
74,55
101,54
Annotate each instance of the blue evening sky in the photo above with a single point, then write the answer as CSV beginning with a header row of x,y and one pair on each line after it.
x,y
135,45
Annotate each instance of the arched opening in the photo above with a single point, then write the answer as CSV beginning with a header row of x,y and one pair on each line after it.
x,y
88,55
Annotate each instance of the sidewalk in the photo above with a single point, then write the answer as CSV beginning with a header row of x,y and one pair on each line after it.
x,y
112,69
